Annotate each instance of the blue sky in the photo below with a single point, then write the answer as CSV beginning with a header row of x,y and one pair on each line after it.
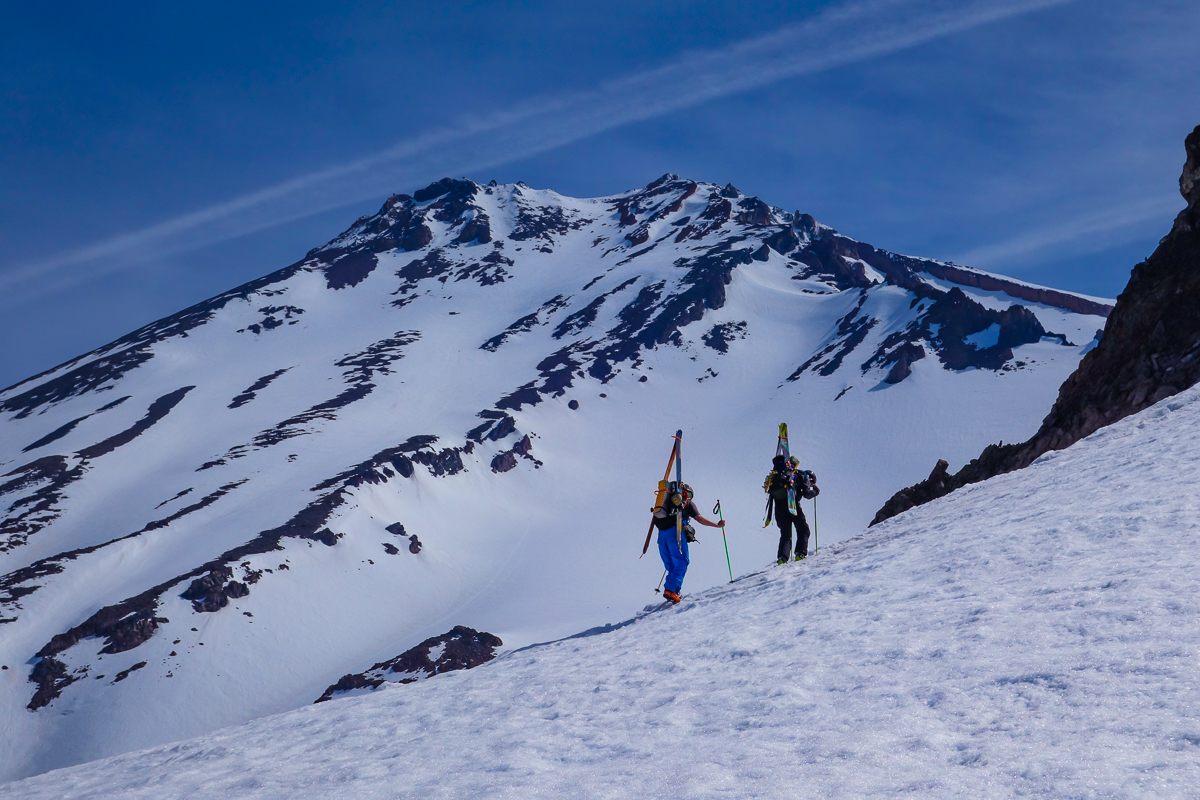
x,y
156,154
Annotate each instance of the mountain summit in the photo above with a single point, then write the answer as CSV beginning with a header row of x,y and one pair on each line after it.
x,y
453,415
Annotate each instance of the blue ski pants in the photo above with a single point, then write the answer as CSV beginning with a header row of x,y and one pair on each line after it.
x,y
675,562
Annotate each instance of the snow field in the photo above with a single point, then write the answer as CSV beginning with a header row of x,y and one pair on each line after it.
x,y
1033,636
530,555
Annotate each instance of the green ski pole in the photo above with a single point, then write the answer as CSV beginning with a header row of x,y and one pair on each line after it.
x,y
717,511
816,541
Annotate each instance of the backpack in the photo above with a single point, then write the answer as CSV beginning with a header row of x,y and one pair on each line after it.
x,y
672,511
777,485
806,484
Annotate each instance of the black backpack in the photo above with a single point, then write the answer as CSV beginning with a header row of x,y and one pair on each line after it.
x,y
777,484
806,484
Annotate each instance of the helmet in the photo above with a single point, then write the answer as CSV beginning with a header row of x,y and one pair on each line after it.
x,y
687,490
795,461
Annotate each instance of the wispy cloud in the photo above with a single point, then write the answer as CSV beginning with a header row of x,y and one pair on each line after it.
x,y
1091,232
844,34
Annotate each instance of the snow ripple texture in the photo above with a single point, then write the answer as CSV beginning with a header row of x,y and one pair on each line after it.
x,y
1032,636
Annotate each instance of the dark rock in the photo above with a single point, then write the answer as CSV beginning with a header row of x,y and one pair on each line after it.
x,y
638,235
414,544
51,677
52,475
351,269
299,424
236,589
1150,350
524,446
63,430
719,337
131,632
260,384
904,356
396,529
783,241
348,683
212,582
504,461
753,212
581,319
573,405
833,257
851,331
542,223
158,409
403,465
478,228
207,593
416,238
326,537
460,648
931,488
123,674
947,325
503,428
390,549
365,472
433,190
446,462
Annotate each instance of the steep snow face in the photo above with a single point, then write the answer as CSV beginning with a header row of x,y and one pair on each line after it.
x,y
455,414
1030,636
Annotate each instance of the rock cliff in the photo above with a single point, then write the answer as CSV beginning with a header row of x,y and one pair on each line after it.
x,y
1150,350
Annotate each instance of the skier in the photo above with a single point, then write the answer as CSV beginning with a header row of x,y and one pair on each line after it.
x,y
784,475
674,551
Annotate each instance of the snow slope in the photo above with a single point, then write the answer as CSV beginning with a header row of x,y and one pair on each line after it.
x,y
497,370
1031,636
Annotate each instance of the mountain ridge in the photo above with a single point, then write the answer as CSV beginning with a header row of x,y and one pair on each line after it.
x,y
1150,350
259,460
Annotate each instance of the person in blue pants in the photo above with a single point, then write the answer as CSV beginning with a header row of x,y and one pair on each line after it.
x,y
673,550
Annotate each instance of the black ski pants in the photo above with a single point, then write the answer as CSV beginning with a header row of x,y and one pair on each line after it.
x,y
786,521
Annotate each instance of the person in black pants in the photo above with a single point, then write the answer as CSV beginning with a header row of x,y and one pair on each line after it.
x,y
784,475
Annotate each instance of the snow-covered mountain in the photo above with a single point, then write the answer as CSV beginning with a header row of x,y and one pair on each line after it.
x,y
1031,636
455,414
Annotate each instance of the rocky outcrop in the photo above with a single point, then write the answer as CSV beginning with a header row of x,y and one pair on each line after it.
x,y
503,462
213,591
1150,350
51,677
460,648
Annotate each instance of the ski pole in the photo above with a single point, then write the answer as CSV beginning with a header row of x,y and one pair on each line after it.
x,y
816,541
660,580
717,511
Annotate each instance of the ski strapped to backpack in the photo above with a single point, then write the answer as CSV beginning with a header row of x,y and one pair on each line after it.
x,y
677,491
800,483
663,486
781,449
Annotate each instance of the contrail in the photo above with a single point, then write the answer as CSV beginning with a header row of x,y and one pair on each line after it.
x,y
1106,227
844,34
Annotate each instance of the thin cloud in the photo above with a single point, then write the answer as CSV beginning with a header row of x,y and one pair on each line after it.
x,y
844,34
1091,232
